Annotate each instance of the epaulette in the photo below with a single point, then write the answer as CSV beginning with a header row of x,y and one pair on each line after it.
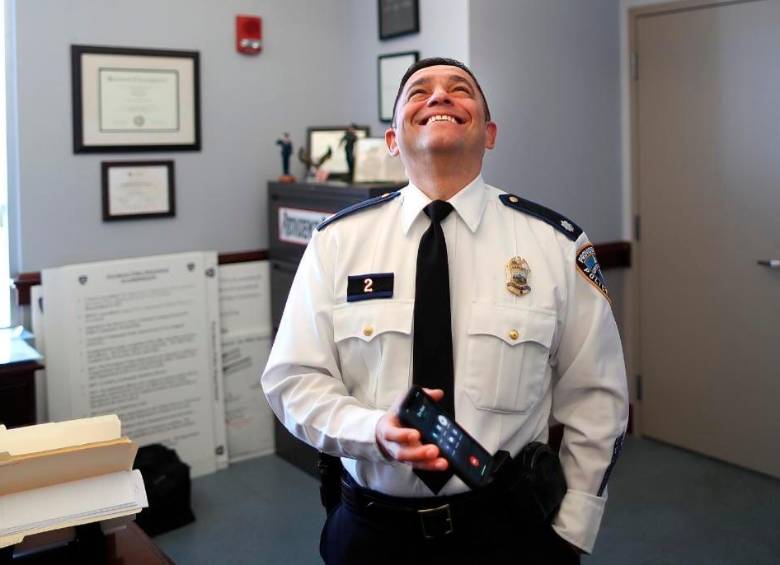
x,y
386,197
556,220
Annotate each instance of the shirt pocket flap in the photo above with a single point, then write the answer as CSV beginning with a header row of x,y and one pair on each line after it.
x,y
511,324
369,319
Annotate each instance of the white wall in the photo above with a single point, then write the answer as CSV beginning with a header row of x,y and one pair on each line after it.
x,y
246,102
550,71
549,68
443,33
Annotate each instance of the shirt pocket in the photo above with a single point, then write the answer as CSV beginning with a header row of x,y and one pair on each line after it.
x,y
508,356
373,339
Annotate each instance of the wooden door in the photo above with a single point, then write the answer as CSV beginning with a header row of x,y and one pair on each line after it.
x,y
707,119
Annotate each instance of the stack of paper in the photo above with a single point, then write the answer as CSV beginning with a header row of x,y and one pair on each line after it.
x,y
245,315
140,338
65,474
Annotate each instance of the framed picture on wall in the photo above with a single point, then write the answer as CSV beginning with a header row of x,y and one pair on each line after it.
x,y
398,17
390,70
328,146
135,99
135,190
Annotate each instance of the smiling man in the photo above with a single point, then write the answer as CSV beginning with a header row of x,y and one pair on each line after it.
x,y
497,306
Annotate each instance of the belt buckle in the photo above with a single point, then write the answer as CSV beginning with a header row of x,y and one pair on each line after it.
x,y
429,515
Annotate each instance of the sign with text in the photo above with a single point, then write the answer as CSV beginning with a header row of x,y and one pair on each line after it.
x,y
244,310
296,225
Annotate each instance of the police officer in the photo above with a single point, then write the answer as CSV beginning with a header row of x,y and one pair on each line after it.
x,y
532,334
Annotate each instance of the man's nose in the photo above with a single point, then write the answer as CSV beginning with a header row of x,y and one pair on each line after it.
x,y
439,96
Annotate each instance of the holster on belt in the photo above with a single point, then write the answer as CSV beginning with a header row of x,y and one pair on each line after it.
x,y
329,469
534,480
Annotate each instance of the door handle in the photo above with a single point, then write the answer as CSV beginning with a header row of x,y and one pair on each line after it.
x,y
771,263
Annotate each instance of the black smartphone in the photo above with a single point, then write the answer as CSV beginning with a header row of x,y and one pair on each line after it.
x,y
469,460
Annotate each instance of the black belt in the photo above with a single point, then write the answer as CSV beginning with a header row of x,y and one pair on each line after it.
x,y
429,517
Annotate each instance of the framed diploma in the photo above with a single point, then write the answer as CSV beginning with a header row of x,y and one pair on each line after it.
x,y
398,17
135,99
391,69
137,189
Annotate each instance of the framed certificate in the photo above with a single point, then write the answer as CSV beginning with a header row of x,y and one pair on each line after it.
x,y
390,71
137,189
398,17
135,99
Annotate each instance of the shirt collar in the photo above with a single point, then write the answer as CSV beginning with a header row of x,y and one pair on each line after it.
x,y
469,203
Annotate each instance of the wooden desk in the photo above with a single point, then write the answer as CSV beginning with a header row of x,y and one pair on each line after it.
x,y
131,545
126,546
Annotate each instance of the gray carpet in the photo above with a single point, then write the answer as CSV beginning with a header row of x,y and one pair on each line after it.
x,y
667,506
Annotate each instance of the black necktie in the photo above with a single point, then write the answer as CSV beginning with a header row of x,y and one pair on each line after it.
x,y
432,353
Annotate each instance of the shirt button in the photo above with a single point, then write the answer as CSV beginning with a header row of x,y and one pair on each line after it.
x,y
514,200
513,334
368,331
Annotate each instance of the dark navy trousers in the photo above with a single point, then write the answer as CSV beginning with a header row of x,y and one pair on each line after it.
x,y
349,537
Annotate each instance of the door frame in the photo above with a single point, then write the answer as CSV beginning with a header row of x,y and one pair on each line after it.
x,y
631,177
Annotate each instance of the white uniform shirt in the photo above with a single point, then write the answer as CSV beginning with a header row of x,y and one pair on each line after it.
x,y
337,366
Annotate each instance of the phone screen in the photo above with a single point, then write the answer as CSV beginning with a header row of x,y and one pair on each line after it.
x,y
469,460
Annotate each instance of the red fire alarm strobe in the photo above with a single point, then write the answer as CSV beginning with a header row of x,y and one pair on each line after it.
x,y
249,34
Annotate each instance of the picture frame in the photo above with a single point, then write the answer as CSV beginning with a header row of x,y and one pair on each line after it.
x,y
398,17
134,190
129,100
374,164
390,70
320,139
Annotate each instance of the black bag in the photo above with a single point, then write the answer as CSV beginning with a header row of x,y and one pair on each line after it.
x,y
167,482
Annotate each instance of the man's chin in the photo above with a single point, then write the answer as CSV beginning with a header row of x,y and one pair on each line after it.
x,y
441,146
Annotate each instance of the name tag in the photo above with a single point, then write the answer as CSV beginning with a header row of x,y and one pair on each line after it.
x,y
369,286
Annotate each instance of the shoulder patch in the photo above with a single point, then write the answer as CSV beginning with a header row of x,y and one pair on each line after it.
x,y
387,197
588,266
556,220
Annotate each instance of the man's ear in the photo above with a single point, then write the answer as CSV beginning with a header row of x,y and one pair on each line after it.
x,y
490,138
390,140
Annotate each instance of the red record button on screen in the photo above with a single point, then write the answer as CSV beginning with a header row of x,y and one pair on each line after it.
x,y
474,461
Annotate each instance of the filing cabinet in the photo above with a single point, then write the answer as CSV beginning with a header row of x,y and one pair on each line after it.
x,y
294,211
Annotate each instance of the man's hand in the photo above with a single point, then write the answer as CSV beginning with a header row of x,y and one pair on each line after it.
x,y
403,444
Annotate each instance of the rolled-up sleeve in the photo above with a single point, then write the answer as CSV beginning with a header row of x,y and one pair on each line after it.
x,y
590,399
302,380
